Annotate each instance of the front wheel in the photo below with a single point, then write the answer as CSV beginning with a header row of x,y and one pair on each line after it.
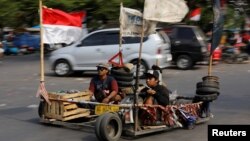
x,y
62,68
41,109
110,127
184,62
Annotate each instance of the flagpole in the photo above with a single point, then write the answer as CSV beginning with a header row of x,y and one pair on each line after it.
x,y
209,72
120,36
137,77
210,65
41,90
41,44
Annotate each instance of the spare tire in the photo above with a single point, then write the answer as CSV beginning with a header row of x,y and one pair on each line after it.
x,y
209,98
206,90
210,78
212,84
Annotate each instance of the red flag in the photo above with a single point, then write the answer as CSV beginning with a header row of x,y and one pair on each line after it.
x,y
61,27
195,15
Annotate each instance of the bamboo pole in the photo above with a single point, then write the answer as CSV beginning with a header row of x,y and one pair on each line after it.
x,y
120,35
137,78
41,44
210,65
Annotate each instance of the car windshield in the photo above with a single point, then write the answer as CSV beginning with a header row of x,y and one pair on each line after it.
x,y
200,33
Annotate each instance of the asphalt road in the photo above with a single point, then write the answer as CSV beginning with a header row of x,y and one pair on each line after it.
x,y
19,81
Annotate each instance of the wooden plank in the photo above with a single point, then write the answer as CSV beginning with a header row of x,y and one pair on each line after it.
x,y
50,115
81,98
153,127
70,106
76,116
54,95
67,96
73,112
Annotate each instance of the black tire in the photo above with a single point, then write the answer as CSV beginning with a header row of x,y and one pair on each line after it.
x,y
123,78
111,127
184,62
125,84
62,68
210,78
97,126
143,68
121,72
210,97
212,84
206,90
41,109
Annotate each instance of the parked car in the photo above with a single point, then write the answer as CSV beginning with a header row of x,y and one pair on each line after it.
x,y
101,45
188,45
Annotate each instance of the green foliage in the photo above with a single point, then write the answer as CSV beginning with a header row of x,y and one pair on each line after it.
x,y
24,13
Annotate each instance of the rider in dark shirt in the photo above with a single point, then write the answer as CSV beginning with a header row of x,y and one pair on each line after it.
x,y
154,93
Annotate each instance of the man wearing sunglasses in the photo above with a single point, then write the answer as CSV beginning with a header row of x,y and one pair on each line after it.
x,y
103,86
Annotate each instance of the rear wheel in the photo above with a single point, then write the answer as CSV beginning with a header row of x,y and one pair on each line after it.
x,y
110,127
62,68
184,62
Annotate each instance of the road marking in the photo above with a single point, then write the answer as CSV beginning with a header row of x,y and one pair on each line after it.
x,y
2,105
32,106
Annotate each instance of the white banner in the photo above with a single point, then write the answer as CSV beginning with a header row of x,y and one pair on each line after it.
x,y
131,23
171,11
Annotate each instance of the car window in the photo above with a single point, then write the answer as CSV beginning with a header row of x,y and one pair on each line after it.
x,y
200,33
94,39
132,40
185,34
102,38
111,37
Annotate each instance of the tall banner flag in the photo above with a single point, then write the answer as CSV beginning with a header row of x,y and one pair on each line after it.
x,y
170,11
217,26
61,27
195,15
131,23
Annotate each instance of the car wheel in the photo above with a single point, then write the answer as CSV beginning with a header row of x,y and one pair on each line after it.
x,y
184,62
143,68
62,68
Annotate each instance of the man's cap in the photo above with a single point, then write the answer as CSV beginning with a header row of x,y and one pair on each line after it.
x,y
103,65
153,73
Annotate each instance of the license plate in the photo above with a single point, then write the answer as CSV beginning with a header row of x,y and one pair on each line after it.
x,y
100,109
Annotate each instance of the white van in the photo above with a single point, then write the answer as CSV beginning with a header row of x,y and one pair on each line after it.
x,y
99,46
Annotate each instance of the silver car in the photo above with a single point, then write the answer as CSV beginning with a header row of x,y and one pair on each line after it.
x,y
101,45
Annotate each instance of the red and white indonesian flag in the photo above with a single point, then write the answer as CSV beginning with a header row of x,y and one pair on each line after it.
x,y
61,27
195,15
170,11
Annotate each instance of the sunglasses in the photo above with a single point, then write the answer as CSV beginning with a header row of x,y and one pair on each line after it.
x,y
101,69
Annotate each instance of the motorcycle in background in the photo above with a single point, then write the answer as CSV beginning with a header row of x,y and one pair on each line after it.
x,y
235,53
